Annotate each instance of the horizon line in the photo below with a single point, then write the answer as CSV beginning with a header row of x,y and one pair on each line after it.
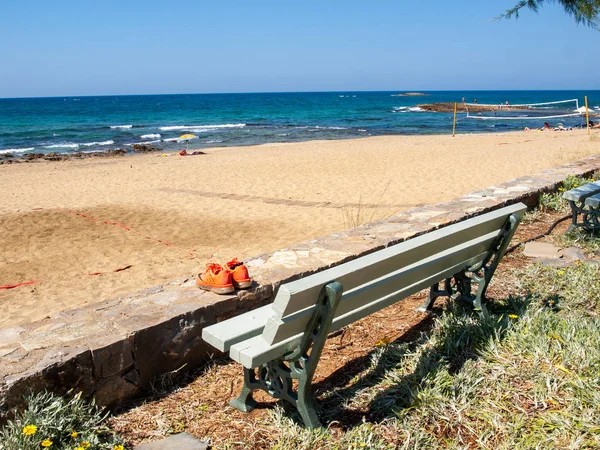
x,y
298,92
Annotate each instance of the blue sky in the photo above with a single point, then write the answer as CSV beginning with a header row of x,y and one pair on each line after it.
x,y
107,47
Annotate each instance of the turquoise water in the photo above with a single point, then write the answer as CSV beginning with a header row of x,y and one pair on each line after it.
x,y
86,124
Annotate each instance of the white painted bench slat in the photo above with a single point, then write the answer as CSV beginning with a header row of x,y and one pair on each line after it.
x,y
224,334
581,193
389,281
366,268
593,201
256,351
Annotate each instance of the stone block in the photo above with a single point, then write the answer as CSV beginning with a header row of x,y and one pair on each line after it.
x,y
179,441
112,359
10,335
172,344
574,253
114,390
541,250
61,370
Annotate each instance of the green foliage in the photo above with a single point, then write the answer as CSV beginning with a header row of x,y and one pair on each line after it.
x,y
585,12
50,421
554,202
589,242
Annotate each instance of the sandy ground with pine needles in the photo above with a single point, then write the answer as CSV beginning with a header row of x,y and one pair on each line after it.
x,y
89,230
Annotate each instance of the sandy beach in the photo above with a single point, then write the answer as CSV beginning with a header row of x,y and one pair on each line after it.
x,y
90,230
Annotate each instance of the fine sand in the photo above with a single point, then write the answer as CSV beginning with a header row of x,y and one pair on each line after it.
x,y
71,225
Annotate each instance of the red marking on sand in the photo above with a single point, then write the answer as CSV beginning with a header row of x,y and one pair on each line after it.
x,y
12,286
125,227
117,224
120,269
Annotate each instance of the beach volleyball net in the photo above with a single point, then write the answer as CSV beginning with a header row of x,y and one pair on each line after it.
x,y
525,111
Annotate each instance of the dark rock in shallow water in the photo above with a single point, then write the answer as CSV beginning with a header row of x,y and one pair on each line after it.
x,y
32,156
144,148
53,157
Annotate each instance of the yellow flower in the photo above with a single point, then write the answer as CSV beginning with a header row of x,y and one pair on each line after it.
x,y
79,448
85,444
118,447
513,316
561,272
28,430
74,434
46,443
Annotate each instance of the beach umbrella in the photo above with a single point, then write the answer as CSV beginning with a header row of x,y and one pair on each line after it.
x,y
187,138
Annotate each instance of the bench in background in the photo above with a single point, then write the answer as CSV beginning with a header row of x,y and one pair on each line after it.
x,y
585,202
282,342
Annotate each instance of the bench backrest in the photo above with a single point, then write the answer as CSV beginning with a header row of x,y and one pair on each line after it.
x,y
581,193
386,276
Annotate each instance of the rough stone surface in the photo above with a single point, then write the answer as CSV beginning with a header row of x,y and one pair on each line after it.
x,y
181,441
554,262
574,253
114,349
541,250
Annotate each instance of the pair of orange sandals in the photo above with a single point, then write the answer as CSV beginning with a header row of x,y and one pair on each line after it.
x,y
224,279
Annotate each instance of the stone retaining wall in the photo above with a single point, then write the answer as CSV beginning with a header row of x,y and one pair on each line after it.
x,y
114,350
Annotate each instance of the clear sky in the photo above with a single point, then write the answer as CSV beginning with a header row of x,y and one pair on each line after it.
x,y
109,47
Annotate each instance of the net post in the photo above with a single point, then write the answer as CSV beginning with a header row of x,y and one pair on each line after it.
x,y
587,116
454,123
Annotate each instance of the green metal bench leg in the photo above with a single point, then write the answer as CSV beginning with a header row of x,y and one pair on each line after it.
x,y
276,377
575,210
245,402
306,406
434,293
483,272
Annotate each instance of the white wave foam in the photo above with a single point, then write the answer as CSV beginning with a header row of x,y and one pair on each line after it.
x,y
126,127
89,144
150,136
16,150
68,145
214,141
146,142
331,128
416,109
171,140
200,128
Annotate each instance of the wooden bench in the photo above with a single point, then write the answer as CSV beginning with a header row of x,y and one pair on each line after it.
x,y
282,342
585,202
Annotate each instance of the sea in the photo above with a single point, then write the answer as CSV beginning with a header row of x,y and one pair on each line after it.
x,y
101,123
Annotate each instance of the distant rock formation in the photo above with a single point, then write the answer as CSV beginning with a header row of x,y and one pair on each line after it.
x,y
461,107
410,94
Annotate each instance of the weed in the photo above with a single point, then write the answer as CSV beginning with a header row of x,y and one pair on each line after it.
x,y
554,201
50,421
588,241
364,213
